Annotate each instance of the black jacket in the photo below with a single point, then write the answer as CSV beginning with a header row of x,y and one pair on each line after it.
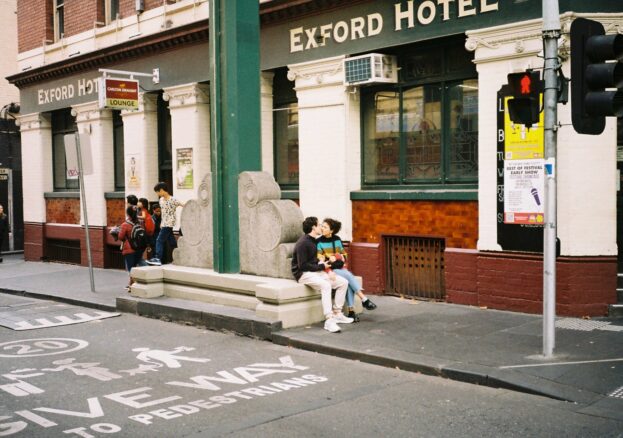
x,y
305,257
4,225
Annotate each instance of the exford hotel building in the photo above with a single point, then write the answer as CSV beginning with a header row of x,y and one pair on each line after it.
x,y
387,115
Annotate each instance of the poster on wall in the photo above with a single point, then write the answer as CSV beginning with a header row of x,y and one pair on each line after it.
x,y
523,143
133,181
524,182
185,168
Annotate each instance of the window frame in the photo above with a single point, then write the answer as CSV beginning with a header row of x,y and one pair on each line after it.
x,y
284,99
118,151
69,127
59,19
445,80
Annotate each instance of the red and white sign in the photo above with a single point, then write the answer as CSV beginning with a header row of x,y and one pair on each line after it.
x,y
119,94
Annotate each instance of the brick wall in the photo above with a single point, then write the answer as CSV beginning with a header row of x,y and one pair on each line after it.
x,y
34,242
115,212
127,7
456,220
585,286
365,261
97,238
34,23
80,16
62,210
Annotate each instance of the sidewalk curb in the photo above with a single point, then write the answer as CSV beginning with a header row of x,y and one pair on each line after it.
x,y
66,300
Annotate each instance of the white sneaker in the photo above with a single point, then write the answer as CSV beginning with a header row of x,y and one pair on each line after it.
x,y
340,318
331,326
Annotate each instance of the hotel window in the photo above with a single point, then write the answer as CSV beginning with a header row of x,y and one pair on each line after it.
x,y
59,19
423,130
109,10
117,123
286,131
62,123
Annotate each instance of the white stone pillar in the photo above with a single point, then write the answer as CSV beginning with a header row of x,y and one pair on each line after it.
x,y
37,172
140,143
266,90
329,141
190,125
97,124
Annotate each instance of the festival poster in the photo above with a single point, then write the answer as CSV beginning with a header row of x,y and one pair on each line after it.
x,y
520,142
184,172
524,184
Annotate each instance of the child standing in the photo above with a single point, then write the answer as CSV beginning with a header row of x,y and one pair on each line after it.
x,y
131,257
168,205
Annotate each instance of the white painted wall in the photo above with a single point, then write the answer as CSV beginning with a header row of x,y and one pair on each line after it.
x,y
8,48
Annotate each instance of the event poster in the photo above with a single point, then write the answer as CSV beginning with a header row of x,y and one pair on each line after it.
x,y
522,143
133,181
524,183
184,168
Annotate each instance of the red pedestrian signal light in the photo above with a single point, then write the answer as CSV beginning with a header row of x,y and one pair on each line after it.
x,y
525,106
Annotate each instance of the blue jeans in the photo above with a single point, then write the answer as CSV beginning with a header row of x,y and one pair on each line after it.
x,y
353,285
165,235
134,259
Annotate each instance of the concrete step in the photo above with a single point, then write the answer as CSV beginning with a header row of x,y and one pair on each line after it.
x,y
211,316
615,311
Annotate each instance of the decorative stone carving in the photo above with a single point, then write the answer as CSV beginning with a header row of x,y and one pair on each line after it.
x,y
194,248
269,226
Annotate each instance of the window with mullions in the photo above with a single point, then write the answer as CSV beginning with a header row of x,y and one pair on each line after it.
x,y
286,131
117,126
108,11
425,129
62,123
59,19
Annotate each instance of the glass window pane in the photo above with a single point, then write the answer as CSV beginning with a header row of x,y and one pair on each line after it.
x,y
62,123
422,129
286,120
423,64
381,138
118,150
463,133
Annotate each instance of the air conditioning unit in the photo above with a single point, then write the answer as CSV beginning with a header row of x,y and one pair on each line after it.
x,y
370,68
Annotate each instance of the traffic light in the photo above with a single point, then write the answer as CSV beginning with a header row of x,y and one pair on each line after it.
x,y
525,106
596,65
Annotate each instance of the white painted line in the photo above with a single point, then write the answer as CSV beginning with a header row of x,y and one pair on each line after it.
x,y
560,363
617,393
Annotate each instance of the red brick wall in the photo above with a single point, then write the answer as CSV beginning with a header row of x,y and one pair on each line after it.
x,y
80,15
34,23
97,237
584,285
62,210
365,261
456,220
34,242
115,212
127,7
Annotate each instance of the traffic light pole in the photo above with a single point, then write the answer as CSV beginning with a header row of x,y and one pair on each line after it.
x,y
551,33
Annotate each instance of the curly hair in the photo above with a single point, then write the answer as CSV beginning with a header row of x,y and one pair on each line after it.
x,y
333,224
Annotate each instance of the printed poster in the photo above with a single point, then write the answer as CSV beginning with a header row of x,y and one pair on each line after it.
x,y
133,181
184,168
523,143
524,185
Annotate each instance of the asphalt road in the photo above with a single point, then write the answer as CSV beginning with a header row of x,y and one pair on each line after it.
x,y
127,376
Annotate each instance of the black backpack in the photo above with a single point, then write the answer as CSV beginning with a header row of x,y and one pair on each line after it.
x,y
138,237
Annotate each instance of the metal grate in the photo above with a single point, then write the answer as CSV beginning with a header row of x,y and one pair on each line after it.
x,y
358,70
415,266
67,251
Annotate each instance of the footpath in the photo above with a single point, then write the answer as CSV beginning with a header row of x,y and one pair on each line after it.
x,y
469,344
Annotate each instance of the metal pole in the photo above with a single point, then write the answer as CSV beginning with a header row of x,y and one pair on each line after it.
x,y
84,211
10,210
551,33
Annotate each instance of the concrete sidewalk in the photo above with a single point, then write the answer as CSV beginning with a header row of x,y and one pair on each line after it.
x,y
486,347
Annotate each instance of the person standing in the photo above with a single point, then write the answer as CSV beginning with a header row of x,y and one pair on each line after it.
x,y
168,205
4,228
308,270
131,257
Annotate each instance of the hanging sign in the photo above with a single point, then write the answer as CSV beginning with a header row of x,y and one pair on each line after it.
x,y
119,94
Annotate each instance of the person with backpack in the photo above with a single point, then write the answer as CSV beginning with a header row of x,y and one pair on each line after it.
x,y
134,239
147,221
168,205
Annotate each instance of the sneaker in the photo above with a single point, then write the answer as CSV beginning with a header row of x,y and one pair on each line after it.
x,y
353,315
341,319
331,326
368,304
154,262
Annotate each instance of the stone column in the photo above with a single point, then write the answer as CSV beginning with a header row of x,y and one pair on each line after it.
x,y
97,124
266,102
190,125
140,138
329,140
37,179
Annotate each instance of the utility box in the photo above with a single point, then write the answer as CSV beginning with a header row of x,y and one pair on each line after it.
x,y
371,68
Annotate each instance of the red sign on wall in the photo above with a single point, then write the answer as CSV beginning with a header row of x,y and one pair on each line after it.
x,y
119,94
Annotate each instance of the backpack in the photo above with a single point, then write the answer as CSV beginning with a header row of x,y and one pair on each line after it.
x,y
138,237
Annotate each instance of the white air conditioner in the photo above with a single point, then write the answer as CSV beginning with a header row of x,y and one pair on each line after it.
x,y
370,68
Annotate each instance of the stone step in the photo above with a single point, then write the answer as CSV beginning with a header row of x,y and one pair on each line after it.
x,y
217,317
615,311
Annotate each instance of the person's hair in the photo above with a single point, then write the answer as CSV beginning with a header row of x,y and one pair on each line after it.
x,y
333,224
161,186
144,202
153,207
132,213
132,199
309,223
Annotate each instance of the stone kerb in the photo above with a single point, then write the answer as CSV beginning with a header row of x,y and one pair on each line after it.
x,y
195,246
269,226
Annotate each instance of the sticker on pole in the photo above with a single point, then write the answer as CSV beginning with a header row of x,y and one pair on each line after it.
x,y
118,94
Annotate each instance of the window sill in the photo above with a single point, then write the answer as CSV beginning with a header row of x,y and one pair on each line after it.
x,y
463,194
49,195
114,195
290,194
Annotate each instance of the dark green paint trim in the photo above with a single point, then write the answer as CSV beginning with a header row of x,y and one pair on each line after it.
x,y
114,195
71,195
290,194
415,195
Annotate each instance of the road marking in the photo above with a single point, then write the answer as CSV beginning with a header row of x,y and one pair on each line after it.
x,y
560,363
617,393
55,321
